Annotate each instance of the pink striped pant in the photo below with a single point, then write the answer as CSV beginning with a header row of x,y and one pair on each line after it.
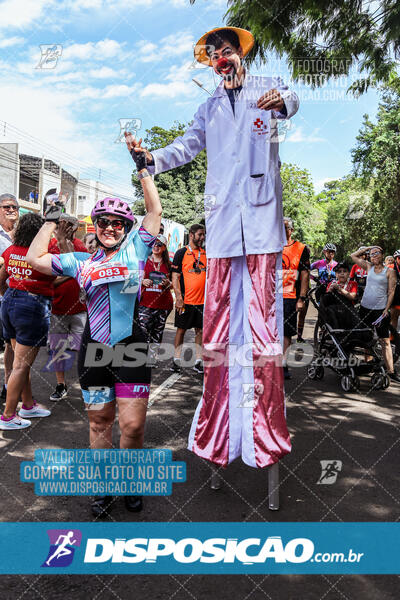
x,y
241,412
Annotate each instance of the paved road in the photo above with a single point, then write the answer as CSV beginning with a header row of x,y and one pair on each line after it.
x,y
361,430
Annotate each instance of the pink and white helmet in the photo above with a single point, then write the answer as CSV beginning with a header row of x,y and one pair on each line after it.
x,y
113,206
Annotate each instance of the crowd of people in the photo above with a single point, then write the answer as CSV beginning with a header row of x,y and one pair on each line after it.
x,y
372,285
58,291
115,289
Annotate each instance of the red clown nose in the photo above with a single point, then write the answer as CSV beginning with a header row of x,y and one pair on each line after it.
x,y
222,62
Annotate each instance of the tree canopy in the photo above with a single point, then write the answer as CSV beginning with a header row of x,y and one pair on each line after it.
x,y
332,33
182,189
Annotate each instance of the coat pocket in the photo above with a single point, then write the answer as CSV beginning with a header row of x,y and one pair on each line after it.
x,y
260,189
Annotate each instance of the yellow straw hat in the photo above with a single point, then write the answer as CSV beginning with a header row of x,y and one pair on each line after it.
x,y
246,40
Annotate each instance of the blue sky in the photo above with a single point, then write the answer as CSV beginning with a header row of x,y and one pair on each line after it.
x,y
134,59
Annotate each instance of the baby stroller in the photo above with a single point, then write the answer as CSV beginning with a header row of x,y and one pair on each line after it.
x,y
340,342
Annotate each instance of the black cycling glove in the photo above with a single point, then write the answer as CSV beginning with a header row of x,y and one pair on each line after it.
x,y
140,159
54,211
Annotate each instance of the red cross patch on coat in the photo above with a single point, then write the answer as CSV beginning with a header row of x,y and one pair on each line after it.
x,y
260,127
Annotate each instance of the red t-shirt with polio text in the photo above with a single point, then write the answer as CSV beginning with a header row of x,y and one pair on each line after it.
x,y
22,276
156,296
66,296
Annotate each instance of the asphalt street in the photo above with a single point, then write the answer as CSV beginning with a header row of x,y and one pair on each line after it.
x,y
359,429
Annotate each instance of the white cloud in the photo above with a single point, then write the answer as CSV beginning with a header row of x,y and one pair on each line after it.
x,y
319,183
171,46
21,13
167,90
103,73
12,41
299,136
87,5
119,91
110,91
102,50
177,44
146,52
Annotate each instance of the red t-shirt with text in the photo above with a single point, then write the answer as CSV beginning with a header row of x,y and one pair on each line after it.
x,y
22,276
349,286
155,296
66,296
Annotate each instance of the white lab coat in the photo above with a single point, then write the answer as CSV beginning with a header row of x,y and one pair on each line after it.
x,y
243,213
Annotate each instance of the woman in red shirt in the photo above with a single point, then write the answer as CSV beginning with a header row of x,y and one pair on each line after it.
x,y
156,300
26,308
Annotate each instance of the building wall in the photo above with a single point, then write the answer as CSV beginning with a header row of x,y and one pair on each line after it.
x,y
89,192
9,169
47,180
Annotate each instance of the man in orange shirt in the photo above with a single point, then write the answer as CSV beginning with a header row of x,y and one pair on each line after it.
x,y
296,281
189,281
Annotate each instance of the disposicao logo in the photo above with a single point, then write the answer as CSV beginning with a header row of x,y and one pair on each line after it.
x,y
191,550
62,547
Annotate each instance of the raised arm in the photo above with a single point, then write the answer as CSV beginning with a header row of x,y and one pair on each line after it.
x,y
152,220
38,255
182,150
356,258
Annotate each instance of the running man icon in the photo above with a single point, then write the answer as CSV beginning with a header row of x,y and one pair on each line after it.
x,y
63,543
62,549
329,471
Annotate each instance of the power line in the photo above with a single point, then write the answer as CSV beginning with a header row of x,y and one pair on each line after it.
x,y
63,157
82,186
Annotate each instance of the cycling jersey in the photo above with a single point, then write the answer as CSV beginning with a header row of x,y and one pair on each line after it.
x,y
326,271
111,283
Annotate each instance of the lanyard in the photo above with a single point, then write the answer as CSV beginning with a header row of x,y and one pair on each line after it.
x,y
156,268
93,264
198,258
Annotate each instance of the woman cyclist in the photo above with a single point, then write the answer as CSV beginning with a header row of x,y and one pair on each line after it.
x,y
326,269
112,316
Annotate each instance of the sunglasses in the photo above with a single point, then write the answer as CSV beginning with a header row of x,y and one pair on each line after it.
x,y
159,244
9,207
117,224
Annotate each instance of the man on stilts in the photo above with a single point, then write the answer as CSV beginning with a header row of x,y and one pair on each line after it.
x,y
241,412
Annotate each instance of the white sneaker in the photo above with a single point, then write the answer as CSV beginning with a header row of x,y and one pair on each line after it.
x,y
15,423
35,411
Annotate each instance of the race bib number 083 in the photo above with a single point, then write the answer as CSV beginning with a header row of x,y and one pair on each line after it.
x,y
109,273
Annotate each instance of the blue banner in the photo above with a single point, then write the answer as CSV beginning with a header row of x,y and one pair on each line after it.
x,y
98,472
204,548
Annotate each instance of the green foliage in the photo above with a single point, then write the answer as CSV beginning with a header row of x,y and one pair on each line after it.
x,y
299,204
181,190
376,160
337,32
346,202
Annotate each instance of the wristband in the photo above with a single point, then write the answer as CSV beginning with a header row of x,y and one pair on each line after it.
x,y
304,298
143,175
